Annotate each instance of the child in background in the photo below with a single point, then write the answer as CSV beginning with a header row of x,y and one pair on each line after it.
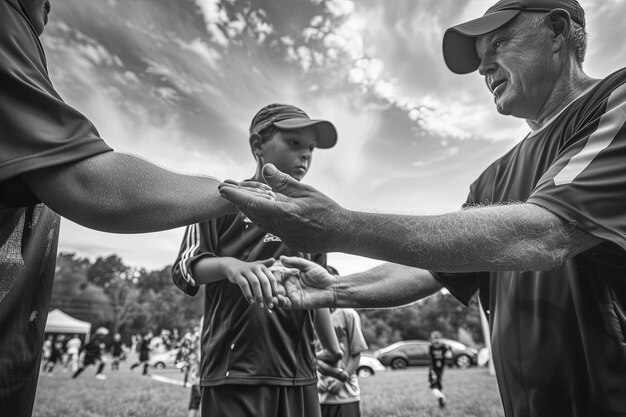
x,y
439,352
338,387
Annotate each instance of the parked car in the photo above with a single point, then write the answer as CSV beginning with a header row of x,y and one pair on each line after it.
x,y
368,366
405,353
164,359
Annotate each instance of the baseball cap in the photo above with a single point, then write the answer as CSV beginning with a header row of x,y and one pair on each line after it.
x,y
288,117
459,42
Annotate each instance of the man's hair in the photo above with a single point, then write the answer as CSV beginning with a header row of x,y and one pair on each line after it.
x,y
577,40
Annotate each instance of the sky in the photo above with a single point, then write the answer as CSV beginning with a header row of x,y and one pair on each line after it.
x,y
177,83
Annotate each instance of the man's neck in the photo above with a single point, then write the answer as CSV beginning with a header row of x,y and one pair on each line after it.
x,y
567,90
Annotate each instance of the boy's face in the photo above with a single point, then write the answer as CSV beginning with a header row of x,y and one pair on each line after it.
x,y
291,151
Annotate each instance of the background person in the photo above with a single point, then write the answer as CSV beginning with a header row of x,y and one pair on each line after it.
x,y
542,237
143,347
439,352
93,352
340,396
73,351
117,351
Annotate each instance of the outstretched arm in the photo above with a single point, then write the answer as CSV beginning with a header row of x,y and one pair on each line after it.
x,y
121,193
507,237
307,285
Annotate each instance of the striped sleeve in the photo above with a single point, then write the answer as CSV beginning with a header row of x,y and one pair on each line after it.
x,y
586,184
193,247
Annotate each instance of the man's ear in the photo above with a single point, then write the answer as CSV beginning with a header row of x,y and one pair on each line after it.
x,y
255,144
559,21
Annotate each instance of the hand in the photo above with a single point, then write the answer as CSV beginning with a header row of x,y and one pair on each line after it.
x,y
329,370
256,281
329,357
304,284
257,188
301,216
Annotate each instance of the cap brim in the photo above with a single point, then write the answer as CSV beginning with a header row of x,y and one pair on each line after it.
x,y
326,132
459,42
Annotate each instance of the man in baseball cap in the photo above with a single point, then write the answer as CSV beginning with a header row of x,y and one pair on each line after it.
x,y
459,42
544,243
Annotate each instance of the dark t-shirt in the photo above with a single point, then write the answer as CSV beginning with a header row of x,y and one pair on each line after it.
x,y
37,130
559,336
438,356
241,343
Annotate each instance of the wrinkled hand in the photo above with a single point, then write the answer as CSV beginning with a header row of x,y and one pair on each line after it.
x,y
304,285
300,215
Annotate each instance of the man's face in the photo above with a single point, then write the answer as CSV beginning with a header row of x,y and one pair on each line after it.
x,y
518,67
37,11
291,151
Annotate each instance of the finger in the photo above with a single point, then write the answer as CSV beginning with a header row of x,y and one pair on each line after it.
x,y
296,262
284,302
268,262
245,288
279,181
246,201
268,285
251,184
255,286
272,291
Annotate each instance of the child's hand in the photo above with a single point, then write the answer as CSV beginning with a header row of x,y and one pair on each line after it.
x,y
257,188
256,281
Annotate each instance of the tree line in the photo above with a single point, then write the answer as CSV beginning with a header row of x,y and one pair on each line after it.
x,y
130,300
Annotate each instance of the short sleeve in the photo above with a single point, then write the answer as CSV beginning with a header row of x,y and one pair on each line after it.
x,y
353,328
462,286
37,129
586,184
198,242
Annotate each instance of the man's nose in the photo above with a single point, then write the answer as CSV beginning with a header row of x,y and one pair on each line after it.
x,y
487,65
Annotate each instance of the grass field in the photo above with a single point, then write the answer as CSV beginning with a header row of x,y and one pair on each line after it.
x,y
405,393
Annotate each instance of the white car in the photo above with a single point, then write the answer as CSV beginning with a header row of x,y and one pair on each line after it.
x,y
164,359
368,366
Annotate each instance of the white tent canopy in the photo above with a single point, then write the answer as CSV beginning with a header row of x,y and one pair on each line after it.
x,y
59,322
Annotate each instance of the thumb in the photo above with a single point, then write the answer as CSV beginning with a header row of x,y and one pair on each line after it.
x,y
268,262
295,262
279,181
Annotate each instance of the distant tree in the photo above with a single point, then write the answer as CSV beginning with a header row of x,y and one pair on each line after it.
x,y
415,321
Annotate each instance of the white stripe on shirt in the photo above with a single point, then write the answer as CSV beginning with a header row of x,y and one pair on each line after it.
x,y
193,243
610,123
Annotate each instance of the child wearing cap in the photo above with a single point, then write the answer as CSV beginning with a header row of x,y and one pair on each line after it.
x,y
257,361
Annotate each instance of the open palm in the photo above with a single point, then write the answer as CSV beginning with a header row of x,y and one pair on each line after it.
x,y
305,284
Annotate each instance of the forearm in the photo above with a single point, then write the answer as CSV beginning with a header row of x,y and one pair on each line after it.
x,y
120,193
210,269
353,364
507,237
387,285
326,333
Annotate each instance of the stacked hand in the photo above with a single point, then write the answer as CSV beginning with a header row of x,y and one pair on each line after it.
x,y
303,284
300,215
